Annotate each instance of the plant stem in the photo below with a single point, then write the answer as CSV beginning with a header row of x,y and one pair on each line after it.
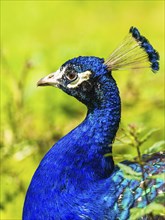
x,y
137,144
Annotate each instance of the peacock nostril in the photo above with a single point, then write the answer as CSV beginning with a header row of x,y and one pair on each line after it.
x,y
50,76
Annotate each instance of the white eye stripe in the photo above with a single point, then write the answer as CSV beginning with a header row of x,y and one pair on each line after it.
x,y
81,78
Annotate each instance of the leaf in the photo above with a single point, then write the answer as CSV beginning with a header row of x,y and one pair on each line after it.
x,y
129,173
160,198
148,135
157,176
154,208
157,147
129,157
120,157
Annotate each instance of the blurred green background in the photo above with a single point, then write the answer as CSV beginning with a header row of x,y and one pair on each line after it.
x,y
36,38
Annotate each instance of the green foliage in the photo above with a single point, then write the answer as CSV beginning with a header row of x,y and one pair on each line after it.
x,y
129,173
158,146
154,208
158,176
37,37
135,139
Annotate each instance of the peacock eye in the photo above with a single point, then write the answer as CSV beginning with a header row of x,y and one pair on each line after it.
x,y
71,75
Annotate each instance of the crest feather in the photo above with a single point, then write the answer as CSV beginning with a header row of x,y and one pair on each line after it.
x,y
135,52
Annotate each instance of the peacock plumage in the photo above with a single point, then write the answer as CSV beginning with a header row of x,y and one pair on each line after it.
x,y
75,180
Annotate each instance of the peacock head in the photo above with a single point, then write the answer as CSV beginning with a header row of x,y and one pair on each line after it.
x,y
78,77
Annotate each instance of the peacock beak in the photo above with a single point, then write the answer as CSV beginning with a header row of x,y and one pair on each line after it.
x,y
50,80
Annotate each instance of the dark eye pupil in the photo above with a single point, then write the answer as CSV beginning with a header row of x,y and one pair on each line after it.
x,y
71,75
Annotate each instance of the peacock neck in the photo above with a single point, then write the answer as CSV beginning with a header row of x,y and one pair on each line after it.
x,y
101,124
104,111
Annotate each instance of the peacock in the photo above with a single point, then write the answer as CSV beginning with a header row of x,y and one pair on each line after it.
x,y
75,180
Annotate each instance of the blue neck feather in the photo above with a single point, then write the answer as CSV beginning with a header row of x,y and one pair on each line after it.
x,y
104,110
